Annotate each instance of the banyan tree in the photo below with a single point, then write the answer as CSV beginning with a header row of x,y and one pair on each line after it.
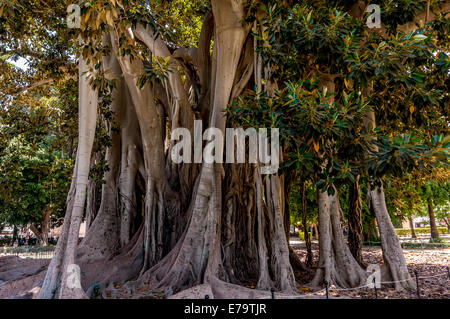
x,y
164,225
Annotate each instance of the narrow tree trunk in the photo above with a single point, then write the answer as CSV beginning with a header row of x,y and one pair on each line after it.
x,y
316,232
287,207
411,225
15,233
45,227
305,226
264,281
447,222
355,222
91,203
434,230
103,237
70,155
293,257
373,232
91,208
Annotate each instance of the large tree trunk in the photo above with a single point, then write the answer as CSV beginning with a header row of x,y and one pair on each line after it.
x,y
102,239
280,254
395,266
434,230
198,257
336,263
355,235
56,283
195,258
394,262
158,195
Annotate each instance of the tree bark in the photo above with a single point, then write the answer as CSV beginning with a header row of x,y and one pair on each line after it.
x,y
411,225
355,235
15,233
103,237
180,244
434,230
309,255
42,233
395,265
91,203
56,282
336,263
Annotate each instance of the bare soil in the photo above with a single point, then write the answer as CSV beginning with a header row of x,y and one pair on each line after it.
x,y
431,264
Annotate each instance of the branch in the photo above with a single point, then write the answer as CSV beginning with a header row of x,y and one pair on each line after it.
x,y
187,54
34,229
204,64
20,53
244,70
38,84
180,97
32,86
203,54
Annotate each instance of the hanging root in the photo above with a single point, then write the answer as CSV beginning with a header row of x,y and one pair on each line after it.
x,y
120,267
185,263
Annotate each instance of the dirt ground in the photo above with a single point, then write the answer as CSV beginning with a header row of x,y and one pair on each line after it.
x,y
428,263
431,264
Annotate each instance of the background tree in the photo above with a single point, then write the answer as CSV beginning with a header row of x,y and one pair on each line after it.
x,y
434,194
33,184
304,211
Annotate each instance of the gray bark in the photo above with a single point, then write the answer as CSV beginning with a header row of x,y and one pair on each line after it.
x,y
395,265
